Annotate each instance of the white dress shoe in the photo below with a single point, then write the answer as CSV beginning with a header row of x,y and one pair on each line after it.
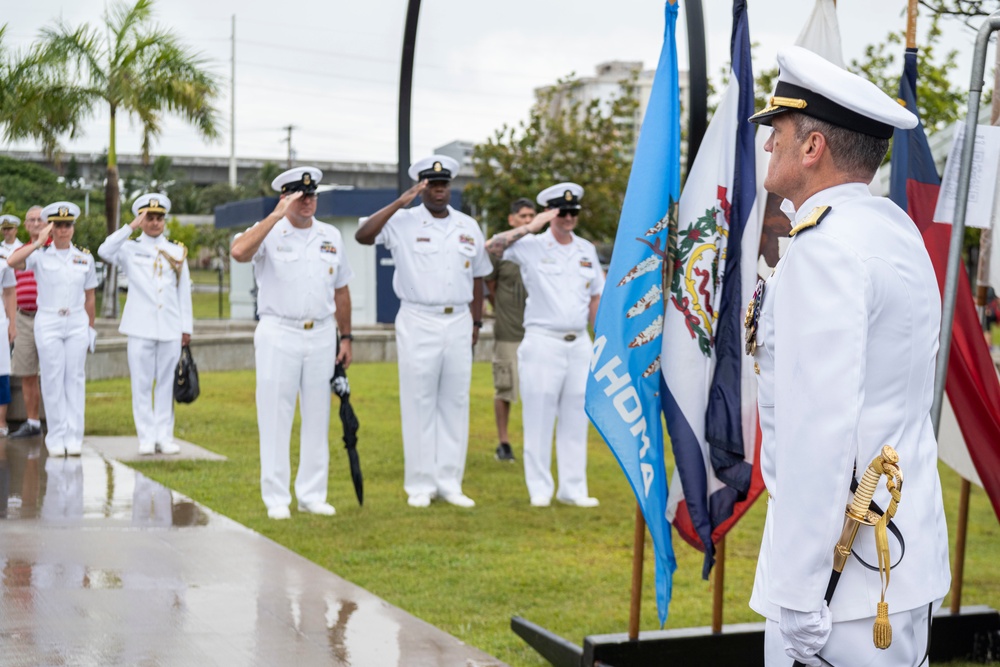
x,y
580,502
323,509
459,500
419,500
75,449
540,501
56,451
278,513
169,447
147,449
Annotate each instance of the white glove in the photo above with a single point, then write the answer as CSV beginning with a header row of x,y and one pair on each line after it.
x,y
805,633
92,333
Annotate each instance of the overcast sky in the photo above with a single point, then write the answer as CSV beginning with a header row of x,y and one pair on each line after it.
x,y
331,68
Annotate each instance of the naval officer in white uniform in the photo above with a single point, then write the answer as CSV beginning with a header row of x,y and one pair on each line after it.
x,y
157,317
844,348
8,310
564,280
440,259
302,275
64,325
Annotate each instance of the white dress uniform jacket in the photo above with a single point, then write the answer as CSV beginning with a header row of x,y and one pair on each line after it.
x,y
157,311
61,335
552,359
437,260
297,273
846,345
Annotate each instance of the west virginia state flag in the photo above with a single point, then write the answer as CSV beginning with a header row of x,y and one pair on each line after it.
x,y
623,389
709,397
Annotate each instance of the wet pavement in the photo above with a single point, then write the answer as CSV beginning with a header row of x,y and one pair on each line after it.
x,y
103,566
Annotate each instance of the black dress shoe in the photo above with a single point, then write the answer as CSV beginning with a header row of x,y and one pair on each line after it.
x,y
504,452
26,430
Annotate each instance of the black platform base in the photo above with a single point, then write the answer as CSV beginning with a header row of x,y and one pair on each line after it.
x,y
974,634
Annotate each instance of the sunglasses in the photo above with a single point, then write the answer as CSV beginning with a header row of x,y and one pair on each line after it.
x,y
571,212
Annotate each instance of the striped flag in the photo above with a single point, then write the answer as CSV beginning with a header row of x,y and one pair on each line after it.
x,y
972,384
624,381
710,390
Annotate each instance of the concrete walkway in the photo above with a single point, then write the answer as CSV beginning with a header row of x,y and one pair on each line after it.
x,y
102,566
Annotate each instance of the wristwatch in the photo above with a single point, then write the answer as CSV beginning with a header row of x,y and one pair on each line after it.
x,y
346,336
478,324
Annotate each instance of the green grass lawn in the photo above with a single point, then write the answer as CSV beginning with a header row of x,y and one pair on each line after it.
x,y
204,305
469,571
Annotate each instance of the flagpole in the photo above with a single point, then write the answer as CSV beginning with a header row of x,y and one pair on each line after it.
x,y
638,551
718,581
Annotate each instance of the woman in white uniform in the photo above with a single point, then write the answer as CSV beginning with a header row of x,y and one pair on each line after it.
x,y
64,324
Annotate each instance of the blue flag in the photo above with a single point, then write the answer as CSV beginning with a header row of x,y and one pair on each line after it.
x,y
623,388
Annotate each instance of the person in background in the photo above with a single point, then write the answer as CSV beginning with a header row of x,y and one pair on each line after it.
x,y
24,358
64,325
506,293
8,225
157,317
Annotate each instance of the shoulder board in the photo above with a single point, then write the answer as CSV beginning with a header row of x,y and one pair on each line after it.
x,y
83,250
814,218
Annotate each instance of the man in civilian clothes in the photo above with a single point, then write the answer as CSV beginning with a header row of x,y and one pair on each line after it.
x,y
507,294
440,261
24,359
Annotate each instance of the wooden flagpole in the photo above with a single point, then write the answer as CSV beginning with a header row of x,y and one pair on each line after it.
x,y
718,583
638,552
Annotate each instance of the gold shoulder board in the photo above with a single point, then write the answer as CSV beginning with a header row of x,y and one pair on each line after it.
x,y
814,218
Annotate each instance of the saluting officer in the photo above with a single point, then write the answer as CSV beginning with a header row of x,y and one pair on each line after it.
x,y
8,227
302,275
156,319
564,280
844,348
440,259
64,325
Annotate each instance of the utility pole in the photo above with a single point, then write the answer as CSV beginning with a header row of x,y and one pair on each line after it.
x,y
232,110
288,140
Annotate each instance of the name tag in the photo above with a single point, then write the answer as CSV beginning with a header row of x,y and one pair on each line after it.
x,y
284,248
423,239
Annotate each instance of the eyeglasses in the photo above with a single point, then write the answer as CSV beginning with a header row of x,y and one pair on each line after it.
x,y
571,212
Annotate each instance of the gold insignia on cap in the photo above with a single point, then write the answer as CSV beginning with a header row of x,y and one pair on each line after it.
x,y
64,211
305,178
154,202
569,195
789,102
438,167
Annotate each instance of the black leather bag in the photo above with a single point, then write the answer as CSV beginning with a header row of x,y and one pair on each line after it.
x,y
186,387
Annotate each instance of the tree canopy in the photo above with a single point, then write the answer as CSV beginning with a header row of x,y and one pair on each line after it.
x,y
564,139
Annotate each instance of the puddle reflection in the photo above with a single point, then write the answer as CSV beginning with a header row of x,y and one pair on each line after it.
x,y
35,486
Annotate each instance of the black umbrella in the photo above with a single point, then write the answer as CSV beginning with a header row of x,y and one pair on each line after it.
x,y
341,387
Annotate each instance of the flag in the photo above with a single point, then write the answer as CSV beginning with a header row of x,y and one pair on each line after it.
x,y
624,379
972,383
709,394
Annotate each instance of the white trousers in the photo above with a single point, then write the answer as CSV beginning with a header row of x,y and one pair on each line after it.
x,y
151,365
435,371
851,645
62,354
553,374
294,362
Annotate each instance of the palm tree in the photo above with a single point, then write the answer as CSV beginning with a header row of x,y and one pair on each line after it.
x,y
133,66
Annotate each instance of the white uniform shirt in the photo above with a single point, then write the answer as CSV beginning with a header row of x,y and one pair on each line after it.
x,y
436,258
7,248
158,306
560,280
846,344
297,271
7,278
62,277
